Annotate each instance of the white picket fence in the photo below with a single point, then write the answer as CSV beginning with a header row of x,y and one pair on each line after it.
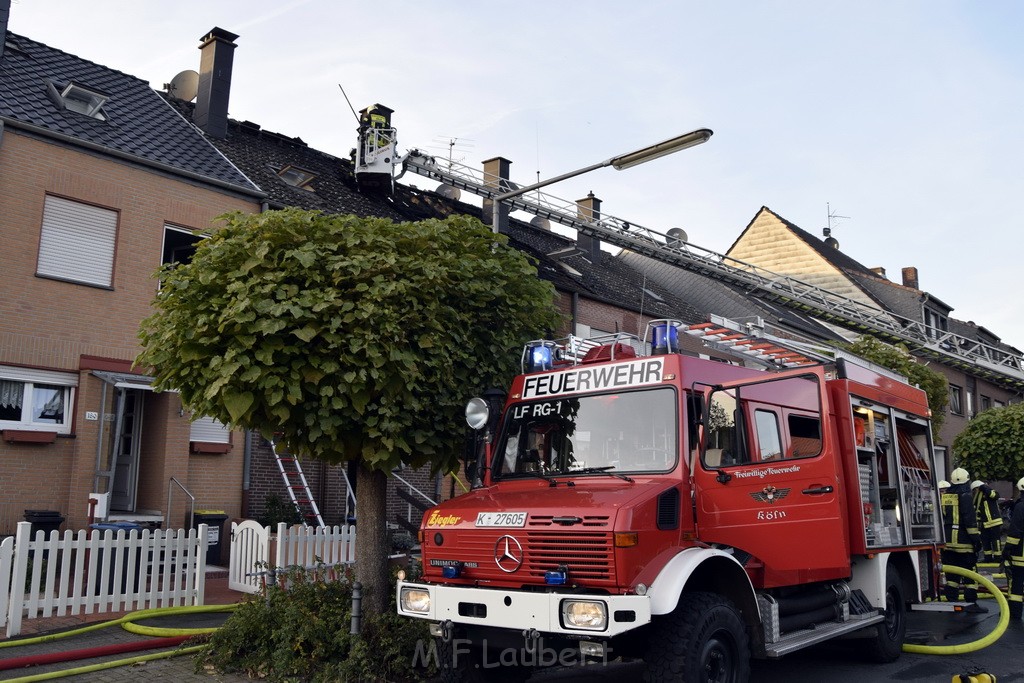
x,y
254,550
98,571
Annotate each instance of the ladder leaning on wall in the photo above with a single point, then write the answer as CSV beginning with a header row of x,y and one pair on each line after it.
x,y
297,486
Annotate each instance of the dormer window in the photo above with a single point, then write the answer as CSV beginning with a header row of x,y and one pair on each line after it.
x,y
77,97
297,177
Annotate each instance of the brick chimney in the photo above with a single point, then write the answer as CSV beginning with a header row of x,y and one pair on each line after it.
x,y
217,55
589,209
496,172
910,277
5,14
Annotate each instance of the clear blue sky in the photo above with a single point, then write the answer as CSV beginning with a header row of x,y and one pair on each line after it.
x,y
906,117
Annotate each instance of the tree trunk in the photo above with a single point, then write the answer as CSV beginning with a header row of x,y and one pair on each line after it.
x,y
371,539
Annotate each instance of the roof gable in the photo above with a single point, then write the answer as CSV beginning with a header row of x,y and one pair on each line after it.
x,y
138,122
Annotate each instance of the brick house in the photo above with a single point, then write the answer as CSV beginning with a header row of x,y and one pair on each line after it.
x,y
100,182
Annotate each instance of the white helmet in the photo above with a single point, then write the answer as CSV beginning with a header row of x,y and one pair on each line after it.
x,y
976,483
959,476
943,484
1020,484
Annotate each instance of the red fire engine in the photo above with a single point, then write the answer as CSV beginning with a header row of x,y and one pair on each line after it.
x,y
689,512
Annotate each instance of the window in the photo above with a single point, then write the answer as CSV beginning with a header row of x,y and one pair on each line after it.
x,y
986,402
179,244
970,404
36,400
768,442
804,435
207,435
79,98
936,323
77,242
297,177
956,400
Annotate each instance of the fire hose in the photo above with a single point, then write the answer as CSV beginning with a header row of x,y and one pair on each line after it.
x,y
164,637
993,636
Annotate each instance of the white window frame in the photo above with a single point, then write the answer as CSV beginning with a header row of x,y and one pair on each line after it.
x,y
76,242
29,379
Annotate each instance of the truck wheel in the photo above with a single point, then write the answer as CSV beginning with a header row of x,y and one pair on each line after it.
x,y
459,664
703,640
888,643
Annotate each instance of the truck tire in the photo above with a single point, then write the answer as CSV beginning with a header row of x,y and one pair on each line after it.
x,y
887,644
459,665
703,640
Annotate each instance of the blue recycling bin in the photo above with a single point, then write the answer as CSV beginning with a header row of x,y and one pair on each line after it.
x,y
123,554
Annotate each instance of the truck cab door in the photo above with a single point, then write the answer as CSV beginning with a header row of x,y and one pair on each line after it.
x,y
767,481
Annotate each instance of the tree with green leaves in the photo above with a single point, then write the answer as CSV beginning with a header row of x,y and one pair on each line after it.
x,y
992,445
351,338
898,359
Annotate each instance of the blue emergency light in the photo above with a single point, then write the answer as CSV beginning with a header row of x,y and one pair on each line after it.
x,y
451,571
666,338
558,577
540,356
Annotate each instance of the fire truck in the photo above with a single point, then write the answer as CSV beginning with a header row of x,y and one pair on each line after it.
x,y
630,500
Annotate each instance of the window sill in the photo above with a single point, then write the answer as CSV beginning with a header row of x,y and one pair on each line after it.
x,y
208,448
25,436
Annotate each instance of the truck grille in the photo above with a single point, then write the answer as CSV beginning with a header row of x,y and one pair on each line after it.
x,y
589,555
587,520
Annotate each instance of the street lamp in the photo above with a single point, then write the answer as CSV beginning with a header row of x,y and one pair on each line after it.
x,y
620,162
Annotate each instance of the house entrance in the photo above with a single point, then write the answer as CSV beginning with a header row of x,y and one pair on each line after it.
x,y
117,457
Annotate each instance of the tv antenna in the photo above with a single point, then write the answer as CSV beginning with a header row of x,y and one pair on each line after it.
x,y
349,103
453,144
832,216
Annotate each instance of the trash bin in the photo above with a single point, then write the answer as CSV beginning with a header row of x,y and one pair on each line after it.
x,y
214,519
44,520
120,554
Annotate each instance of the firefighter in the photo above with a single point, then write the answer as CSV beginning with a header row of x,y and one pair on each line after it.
x,y
963,540
990,521
1013,554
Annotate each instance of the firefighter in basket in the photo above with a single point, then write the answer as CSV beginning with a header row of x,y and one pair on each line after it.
x,y
963,540
1013,554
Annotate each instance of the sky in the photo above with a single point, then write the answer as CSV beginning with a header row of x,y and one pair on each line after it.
x,y
904,120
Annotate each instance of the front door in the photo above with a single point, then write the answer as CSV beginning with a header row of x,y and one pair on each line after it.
x,y
125,445
767,484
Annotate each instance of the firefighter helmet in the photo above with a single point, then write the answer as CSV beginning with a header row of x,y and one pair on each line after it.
x,y
943,484
976,483
959,476
1020,484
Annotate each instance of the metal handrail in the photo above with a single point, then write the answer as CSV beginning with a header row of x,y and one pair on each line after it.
x,y
192,509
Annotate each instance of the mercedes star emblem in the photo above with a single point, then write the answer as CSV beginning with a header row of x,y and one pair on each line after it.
x,y
508,554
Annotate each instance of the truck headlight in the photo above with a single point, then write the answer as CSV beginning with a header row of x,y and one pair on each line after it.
x,y
591,615
415,600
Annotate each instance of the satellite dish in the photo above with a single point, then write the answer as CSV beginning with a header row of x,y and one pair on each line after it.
x,y
541,222
675,237
449,192
184,86
832,242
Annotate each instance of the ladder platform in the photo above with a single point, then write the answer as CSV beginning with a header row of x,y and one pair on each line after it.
x,y
798,640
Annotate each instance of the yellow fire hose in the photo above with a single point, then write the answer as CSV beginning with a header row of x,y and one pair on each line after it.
x,y
1004,620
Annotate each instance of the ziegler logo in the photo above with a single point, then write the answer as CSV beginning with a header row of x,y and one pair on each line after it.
x,y
436,519
769,494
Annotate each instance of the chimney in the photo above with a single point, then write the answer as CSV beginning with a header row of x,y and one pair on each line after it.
x,y
879,271
217,54
5,14
910,277
589,211
496,175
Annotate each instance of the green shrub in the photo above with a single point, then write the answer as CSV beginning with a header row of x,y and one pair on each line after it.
x,y
300,632
277,509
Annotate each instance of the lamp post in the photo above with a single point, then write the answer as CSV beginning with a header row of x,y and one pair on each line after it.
x,y
620,162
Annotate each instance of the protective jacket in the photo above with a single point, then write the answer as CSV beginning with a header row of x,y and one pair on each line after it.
x,y
986,505
1013,549
959,520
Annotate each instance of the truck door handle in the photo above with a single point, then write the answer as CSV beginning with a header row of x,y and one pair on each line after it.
x,y
818,491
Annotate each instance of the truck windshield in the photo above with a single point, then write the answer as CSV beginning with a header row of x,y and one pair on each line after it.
x,y
622,432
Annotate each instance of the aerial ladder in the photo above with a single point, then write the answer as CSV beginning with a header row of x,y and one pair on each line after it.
x,y
996,364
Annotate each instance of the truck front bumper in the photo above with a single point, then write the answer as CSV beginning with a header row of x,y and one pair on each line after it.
x,y
501,608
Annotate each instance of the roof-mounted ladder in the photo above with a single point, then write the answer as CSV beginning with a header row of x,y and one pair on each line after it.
x,y
990,362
